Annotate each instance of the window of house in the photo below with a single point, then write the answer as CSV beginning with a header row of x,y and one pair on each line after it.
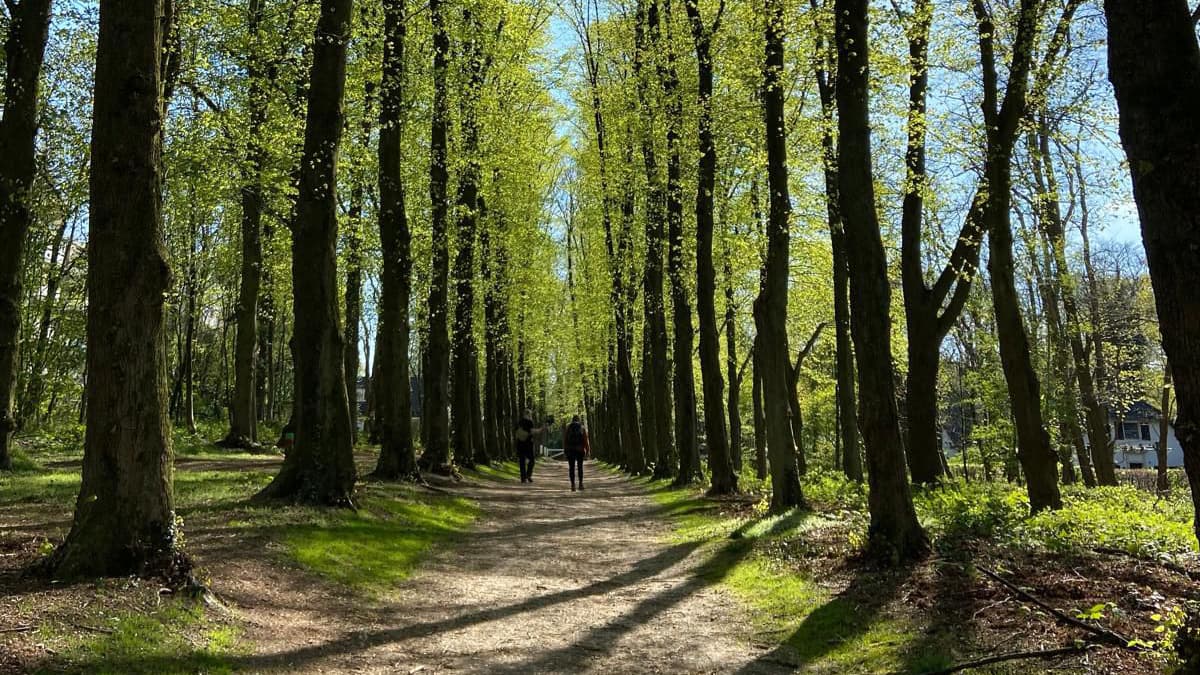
x,y
1128,430
1136,465
1145,432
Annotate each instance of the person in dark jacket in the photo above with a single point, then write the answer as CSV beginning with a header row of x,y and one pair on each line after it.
x,y
525,433
576,447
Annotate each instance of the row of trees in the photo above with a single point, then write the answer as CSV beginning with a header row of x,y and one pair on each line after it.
x,y
1030,117
452,234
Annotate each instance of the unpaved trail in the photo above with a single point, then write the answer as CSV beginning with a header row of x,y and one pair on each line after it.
x,y
547,581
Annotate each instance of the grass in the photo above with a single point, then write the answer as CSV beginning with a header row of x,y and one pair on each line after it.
x,y
797,576
820,628
177,637
367,551
383,542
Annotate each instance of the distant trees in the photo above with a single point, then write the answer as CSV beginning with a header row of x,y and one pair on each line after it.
x,y
24,48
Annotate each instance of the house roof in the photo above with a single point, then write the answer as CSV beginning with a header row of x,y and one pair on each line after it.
x,y
1139,410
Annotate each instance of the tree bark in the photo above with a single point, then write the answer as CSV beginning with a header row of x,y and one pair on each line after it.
x,y
720,466
1036,456
770,308
1164,432
24,48
1154,65
243,405
124,518
1096,417
391,388
895,534
466,436
656,368
319,468
760,419
847,433
437,365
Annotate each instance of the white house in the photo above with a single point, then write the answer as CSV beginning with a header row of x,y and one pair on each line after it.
x,y
1136,438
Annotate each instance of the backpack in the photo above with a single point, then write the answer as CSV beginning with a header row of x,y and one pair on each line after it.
x,y
574,437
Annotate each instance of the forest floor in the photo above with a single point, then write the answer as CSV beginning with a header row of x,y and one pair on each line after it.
x,y
485,574
546,581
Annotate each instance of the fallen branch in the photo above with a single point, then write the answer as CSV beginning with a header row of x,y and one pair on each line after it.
x,y
17,629
1103,634
1017,656
1166,565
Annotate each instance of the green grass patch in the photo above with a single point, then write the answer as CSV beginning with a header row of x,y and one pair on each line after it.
x,y
383,542
176,638
498,471
825,631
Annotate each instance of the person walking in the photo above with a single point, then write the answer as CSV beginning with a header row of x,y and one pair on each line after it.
x,y
524,434
577,447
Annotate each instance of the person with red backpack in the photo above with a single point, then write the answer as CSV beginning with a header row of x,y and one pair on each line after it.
x,y
576,447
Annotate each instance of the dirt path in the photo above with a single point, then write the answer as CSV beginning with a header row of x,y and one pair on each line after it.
x,y
548,581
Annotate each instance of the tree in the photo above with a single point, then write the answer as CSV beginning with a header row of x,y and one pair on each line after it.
x,y
770,308
397,457
895,533
436,373
243,405
723,478
24,49
124,517
1002,118
1154,65
467,435
825,58
656,371
319,469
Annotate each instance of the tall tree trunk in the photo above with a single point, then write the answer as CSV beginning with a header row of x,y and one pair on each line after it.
x,y
760,418
392,389
243,405
770,308
491,340
720,466
1154,65
24,47
1164,433
1036,456
1096,417
656,369
684,381
124,518
895,533
319,469
467,433
731,364
354,303
847,421
436,372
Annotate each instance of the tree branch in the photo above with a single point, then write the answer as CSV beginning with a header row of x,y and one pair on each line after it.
x,y
1015,656
1102,634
